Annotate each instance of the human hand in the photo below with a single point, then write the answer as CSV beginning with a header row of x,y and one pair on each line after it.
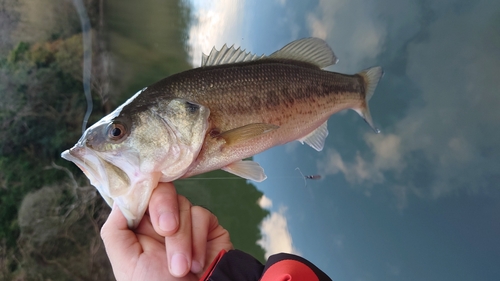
x,y
189,238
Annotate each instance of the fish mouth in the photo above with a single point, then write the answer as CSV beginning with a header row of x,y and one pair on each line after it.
x,y
91,166
121,184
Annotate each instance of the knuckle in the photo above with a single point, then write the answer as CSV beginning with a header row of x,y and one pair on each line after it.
x,y
184,203
104,233
200,211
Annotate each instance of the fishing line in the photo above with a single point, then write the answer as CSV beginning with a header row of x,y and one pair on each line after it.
x,y
87,58
305,177
308,177
223,178
302,176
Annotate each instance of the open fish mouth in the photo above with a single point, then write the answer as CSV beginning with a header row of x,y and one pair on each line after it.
x,y
91,166
114,183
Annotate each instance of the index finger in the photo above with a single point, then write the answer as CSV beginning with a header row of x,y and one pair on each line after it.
x,y
179,245
164,209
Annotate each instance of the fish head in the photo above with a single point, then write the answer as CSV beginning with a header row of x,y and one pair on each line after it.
x,y
128,152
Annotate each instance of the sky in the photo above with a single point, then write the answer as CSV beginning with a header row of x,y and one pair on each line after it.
x,y
421,200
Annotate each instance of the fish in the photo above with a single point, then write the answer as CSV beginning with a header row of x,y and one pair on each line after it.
x,y
235,105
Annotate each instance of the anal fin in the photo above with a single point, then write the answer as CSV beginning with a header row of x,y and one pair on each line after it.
x,y
246,169
316,139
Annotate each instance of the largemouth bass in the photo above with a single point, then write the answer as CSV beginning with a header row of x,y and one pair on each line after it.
x,y
234,106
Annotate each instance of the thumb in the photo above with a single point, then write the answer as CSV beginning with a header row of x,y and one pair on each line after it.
x,y
120,242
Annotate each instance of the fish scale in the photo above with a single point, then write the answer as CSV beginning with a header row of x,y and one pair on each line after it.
x,y
268,86
297,97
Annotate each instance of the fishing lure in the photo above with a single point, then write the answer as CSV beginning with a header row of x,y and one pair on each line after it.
x,y
308,177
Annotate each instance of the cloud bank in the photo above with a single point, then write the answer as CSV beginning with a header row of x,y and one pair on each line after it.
x,y
276,237
447,141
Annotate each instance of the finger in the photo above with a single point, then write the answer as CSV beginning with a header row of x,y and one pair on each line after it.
x,y
179,244
146,228
120,242
164,209
201,220
217,232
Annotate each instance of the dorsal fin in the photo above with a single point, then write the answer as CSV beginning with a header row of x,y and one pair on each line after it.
x,y
227,55
312,50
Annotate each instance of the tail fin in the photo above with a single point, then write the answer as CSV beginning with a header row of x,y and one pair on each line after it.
x,y
371,77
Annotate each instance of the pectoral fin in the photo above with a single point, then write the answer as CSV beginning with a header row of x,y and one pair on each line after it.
x,y
246,169
246,132
316,139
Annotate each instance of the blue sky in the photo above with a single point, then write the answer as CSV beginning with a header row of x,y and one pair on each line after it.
x,y
421,201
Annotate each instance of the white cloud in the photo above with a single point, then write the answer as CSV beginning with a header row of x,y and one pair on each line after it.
x,y
317,27
217,22
387,151
448,140
352,42
358,30
281,2
386,157
276,237
456,129
265,203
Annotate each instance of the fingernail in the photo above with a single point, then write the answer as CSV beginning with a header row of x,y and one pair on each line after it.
x,y
178,265
196,267
167,222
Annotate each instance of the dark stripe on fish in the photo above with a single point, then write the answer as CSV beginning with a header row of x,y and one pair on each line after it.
x,y
250,86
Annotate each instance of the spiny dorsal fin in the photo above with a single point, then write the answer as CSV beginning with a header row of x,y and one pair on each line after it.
x,y
227,55
312,50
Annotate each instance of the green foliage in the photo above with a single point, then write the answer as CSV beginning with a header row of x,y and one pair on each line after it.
x,y
60,227
234,202
19,52
40,116
54,233
150,45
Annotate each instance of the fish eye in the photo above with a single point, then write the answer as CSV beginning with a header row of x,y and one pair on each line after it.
x,y
191,107
116,131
